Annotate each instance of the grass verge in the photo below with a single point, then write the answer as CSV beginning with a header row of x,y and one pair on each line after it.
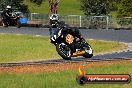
x,y
65,7
63,79
27,47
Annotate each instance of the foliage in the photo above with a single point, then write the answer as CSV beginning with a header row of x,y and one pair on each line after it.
x,y
125,9
38,2
95,7
113,6
65,7
16,4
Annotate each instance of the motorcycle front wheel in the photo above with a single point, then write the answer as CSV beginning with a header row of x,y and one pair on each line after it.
x,y
4,24
64,51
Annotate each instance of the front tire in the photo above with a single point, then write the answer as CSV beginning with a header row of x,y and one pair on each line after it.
x,y
64,51
4,24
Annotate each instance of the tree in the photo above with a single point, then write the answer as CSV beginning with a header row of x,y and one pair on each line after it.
x,y
125,9
16,4
95,7
38,2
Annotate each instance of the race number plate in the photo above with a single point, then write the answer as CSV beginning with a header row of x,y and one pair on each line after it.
x,y
69,38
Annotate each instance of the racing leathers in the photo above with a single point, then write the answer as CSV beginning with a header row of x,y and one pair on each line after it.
x,y
62,26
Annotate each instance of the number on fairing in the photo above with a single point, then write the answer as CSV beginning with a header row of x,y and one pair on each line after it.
x,y
69,38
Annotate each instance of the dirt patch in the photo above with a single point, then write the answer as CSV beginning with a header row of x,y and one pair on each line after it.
x,y
58,67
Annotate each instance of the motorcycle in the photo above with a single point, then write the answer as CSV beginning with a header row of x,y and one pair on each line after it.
x,y
68,45
12,21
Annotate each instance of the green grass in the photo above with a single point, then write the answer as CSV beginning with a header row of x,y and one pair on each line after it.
x,y
63,79
100,46
27,47
66,7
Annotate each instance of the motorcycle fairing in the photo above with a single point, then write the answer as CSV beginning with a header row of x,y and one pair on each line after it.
x,y
79,53
69,38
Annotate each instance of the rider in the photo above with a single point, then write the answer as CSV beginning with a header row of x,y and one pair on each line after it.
x,y
7,13
54,19
56,25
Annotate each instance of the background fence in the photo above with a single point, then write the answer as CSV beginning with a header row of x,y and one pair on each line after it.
x,y
92,22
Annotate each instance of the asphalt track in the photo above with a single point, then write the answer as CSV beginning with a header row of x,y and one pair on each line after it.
x,y
113,35
109,35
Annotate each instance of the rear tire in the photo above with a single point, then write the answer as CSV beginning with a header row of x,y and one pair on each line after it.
x,y
61,51
88,52
86,55
18,25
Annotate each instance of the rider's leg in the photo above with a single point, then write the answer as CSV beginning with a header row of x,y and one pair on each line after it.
x,y
53,34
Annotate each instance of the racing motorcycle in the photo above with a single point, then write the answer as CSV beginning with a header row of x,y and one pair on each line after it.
x,y
68,45
13,21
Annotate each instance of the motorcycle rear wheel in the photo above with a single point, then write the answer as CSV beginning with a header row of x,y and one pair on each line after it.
x,y
88,52
18,25
64,51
